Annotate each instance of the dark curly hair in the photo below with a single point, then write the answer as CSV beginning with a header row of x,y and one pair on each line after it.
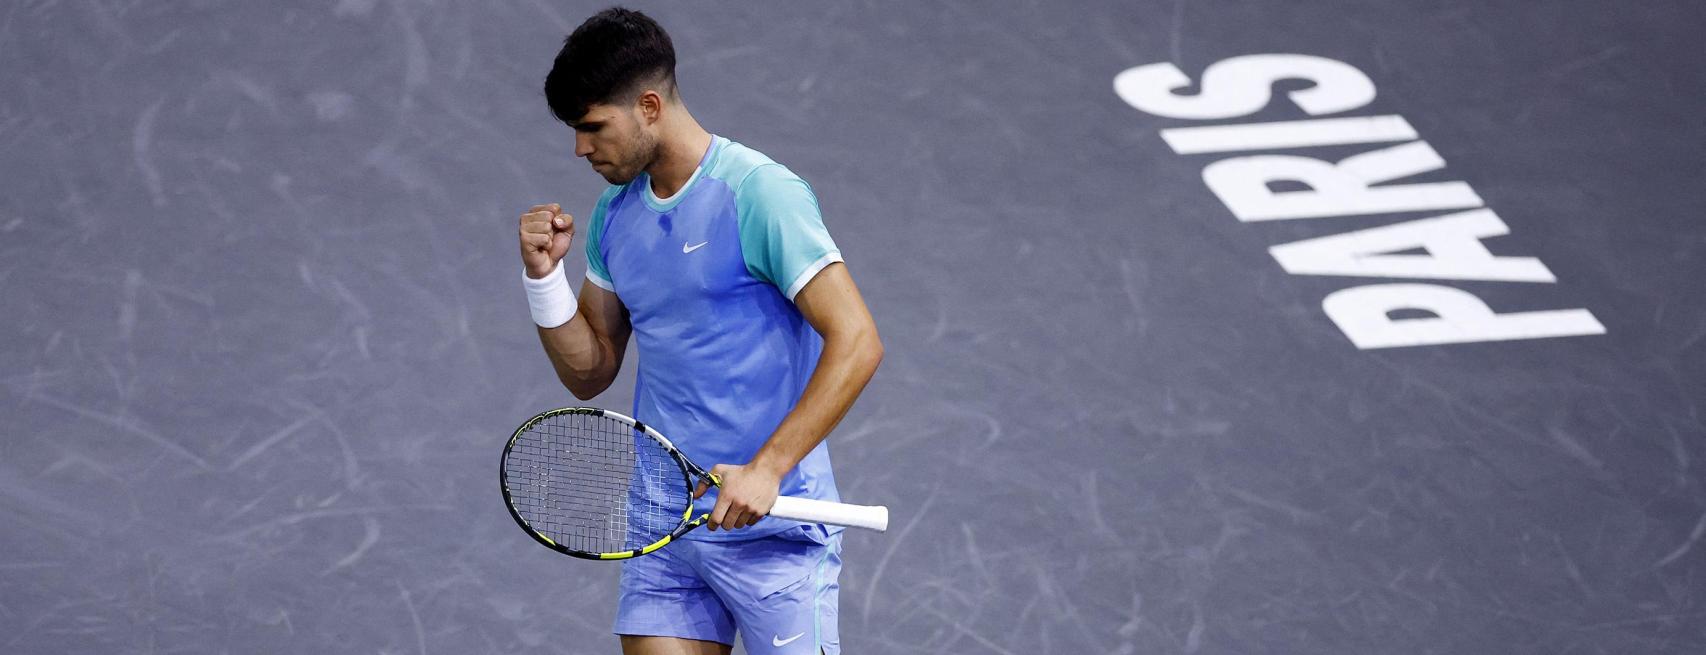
x,y
610,58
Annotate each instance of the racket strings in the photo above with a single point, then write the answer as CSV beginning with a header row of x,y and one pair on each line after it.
x,y
595,484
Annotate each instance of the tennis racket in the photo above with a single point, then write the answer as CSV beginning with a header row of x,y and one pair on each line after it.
x,y
598,485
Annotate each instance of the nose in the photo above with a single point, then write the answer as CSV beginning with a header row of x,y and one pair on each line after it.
x,y
583,144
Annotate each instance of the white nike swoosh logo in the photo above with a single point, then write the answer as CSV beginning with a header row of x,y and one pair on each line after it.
x,y
779,642
687,248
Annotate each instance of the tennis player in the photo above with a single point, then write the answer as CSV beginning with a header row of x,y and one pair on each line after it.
x,y
752,338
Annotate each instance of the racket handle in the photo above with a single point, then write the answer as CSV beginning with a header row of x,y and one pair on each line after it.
x,y
870,517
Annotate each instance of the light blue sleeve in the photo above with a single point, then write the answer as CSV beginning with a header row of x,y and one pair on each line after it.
x,y
782,236
595,268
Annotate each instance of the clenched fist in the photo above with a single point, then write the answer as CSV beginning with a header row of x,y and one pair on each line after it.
x,y
545,236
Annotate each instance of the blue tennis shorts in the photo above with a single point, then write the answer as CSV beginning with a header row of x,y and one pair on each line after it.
x,y
781,592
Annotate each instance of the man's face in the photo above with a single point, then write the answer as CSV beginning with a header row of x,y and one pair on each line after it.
x,y
616,143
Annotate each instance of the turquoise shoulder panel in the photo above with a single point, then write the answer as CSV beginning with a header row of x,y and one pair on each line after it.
x,y
782,235
595,266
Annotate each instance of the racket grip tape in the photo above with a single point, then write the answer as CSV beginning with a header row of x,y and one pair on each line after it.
x,y
869,517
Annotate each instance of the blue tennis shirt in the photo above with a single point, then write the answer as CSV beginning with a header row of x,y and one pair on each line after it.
x,y
709,277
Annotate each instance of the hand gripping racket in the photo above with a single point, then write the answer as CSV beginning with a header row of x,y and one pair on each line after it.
x,y
599,485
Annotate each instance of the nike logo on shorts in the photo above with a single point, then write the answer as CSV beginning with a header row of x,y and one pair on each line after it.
x,y
687,248
777,640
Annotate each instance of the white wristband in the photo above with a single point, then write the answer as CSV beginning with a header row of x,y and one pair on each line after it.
x,y
550,298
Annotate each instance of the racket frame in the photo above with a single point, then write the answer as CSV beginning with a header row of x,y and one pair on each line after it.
x,y
690,472
798,509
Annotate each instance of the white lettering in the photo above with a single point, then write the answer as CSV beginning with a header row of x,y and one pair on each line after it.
x,y
1241,86
1288,134
1364,315
1278,187
1344,189
1453,245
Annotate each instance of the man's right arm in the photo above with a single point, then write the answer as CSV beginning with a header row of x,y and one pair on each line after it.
x,y
586,351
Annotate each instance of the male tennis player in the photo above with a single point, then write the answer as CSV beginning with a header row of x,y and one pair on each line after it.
x,y
753,341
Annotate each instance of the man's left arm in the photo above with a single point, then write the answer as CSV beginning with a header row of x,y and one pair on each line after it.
x,y
851,353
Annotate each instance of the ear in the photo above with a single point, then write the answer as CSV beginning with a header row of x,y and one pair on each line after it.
x,y
650,106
